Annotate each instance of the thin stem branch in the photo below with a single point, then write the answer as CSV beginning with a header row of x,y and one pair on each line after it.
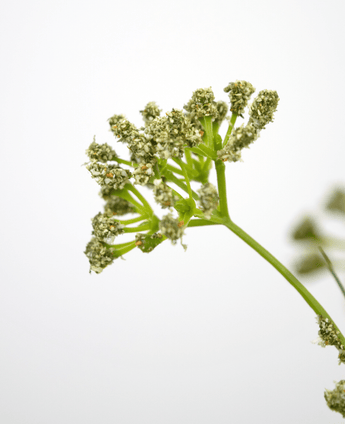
x,y
184,170
231,126
331,269
143,227
201,223
221,181
141,198
307,296
125,162
131,221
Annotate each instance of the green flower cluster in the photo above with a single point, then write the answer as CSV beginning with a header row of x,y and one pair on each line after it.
x,y
166,154
336,398
329,336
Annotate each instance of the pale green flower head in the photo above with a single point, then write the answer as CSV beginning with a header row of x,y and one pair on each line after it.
x,y
110,176
117,206
150,112
171,227
99,256
222,109
170,133
100,152
105,228
115,120
202,103
143,173
163,194
208,199
240,138
336,398
239,94
263,107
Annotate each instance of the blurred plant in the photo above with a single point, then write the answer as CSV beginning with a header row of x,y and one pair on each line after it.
x,y
308,234
166,155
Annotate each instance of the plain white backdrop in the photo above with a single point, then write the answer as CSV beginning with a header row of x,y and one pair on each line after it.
x,y
213,335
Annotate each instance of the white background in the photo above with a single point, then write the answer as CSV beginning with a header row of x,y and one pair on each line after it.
x,y
213,335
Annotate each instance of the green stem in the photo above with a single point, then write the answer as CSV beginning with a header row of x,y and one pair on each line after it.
x,y
189,158
120,252
125,162
174,169
131,221
209,132
231,126
171,177
331,270
201,223
307,296
141,198
125,195
184,170
143,227
223,203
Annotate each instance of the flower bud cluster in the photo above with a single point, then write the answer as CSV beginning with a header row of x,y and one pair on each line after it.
x,y
105,228
117,206
99,256
100,152
110,176
202,103
262,109
208,199
329,336
163,194
336,398
241,137
222,109
170,133
150,112
239,94
171,227
143,173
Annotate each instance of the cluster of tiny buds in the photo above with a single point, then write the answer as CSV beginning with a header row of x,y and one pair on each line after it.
x,y
208,199
100,152
143,173
329,336
150,112
262,109
203,104
117,206
336,398
171,227
110,175
105,228
98,255
239,94
241,137
163,194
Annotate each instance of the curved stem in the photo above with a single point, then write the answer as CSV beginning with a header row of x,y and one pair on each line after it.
x,y
131,221
200,223
143,227
141,198
307,296
184,170
122,251
125,162
171,177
